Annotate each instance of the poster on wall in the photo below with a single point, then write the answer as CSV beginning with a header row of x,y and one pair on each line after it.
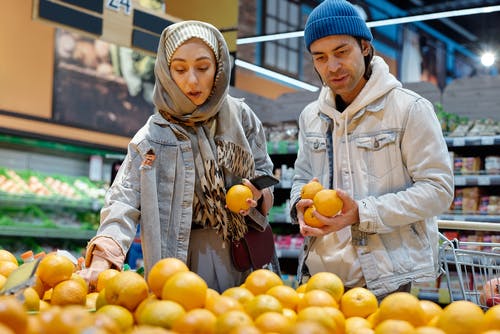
x,y
101,86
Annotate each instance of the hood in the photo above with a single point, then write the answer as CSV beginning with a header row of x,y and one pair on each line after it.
x,y
380,83
167,96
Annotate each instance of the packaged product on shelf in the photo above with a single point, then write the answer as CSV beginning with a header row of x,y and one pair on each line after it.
x,y
471,165
492,165
470,199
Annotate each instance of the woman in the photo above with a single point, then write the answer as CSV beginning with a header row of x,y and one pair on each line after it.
x,y
199,142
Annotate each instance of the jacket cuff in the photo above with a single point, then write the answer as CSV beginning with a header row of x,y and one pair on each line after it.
x,y
106,248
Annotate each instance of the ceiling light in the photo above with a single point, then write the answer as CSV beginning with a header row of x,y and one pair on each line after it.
x,y
274,75
487,59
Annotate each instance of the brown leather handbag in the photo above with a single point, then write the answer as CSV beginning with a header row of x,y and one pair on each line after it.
x,y
254,250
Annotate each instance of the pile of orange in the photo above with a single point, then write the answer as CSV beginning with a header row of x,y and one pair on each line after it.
x,y
176,300
325,201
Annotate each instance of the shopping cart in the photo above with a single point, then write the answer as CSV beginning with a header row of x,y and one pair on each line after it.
x,y
471,269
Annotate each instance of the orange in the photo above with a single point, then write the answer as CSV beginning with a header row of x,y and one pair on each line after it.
x,y
261,280
316,298
70,319
428,330
161,313
394,326
288,297
3,279
237,196
90,300
31,299
119,314
7,267
127,288
492,318
80,280
186,288
353,324
310,189
106,323
328,282
273,322
5,255
431,309
461,317
301,288
401,306
337,316
54,268
162,271
101,299
104,277
327,202
239,293
319,315
147,329
231,320
310,219
262,303
245,329
69,292
290,314
309,327
222,304
13,314
358,302
151,297
39,287
196,321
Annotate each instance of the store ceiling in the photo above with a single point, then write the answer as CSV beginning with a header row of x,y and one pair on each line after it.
x,y
475,32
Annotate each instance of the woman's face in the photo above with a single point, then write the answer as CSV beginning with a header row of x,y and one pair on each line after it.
x,y
193,68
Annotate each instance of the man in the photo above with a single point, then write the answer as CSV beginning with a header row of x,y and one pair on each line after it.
x,y
381,146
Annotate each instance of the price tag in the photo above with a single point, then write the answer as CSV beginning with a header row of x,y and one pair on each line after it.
x,y
483,180
488,140
460,180
459,141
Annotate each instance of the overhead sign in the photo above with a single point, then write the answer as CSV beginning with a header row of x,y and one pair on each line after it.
x,y
123,22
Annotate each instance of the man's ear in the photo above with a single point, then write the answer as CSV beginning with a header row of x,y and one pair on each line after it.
x,y
365,47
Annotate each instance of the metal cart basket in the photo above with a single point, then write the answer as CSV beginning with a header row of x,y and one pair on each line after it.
x,y
471,269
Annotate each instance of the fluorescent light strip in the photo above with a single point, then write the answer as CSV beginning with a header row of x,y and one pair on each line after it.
x,y
379,23
278,76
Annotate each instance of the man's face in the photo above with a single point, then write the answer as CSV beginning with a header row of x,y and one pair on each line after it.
x,y
339,60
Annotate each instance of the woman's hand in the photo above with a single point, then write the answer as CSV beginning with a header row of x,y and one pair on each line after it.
x,y
265,194
91,273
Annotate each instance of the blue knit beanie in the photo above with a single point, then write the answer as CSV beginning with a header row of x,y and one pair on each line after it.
x,y
335,17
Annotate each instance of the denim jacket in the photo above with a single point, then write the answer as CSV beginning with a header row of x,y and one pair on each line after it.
x,y
393,160
155,187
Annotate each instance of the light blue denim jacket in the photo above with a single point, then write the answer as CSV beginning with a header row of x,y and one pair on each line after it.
x,y
394,161
159,196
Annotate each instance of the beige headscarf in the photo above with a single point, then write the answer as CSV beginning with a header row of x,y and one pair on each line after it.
x,y
201,125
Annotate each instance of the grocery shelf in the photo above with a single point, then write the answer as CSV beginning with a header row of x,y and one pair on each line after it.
x,y
471,218
473,141
51,201
49,233
477,180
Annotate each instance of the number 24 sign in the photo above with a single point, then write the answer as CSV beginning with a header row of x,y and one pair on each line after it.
x,y
118,5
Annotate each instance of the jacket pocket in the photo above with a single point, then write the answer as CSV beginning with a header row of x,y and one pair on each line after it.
x,y
379,153
316,143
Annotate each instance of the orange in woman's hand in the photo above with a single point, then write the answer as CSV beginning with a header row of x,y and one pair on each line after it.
x,y
236,198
